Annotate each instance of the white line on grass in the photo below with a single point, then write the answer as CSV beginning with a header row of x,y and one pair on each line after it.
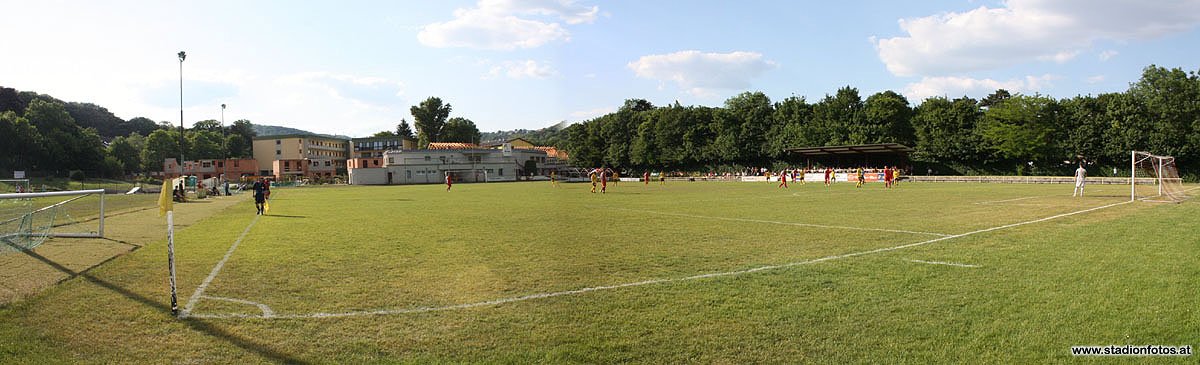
x,y
645,282
783,223
187,309
267,312
1008,200
941,263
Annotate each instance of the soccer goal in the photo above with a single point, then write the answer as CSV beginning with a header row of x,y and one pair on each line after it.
x,y
28,219
468,175
14,186
1155,178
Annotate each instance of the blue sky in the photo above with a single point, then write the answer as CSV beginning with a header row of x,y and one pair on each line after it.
x,y
356,68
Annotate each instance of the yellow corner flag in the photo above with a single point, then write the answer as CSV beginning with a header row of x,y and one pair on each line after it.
x,y
166,198
266,206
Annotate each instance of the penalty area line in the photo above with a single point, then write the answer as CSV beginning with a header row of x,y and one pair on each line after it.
x,y
783,223
639,283
941,263
187,309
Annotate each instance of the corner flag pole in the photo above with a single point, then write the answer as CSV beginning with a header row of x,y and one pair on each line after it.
x,y
165,206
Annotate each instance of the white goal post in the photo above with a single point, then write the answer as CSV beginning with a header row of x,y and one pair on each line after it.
x,y
27,219
1154,178
468,175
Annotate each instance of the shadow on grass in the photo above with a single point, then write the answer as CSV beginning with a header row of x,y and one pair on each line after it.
x,y
195,324
285,216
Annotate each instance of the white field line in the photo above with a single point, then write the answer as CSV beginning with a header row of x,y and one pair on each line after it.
x,y
187,309
941,263
783,223
641,283
1008,200
267,312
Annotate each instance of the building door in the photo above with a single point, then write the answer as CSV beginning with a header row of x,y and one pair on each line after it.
x,y
389,178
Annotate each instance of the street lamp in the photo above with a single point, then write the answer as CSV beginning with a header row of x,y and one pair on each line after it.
x,y
182,56
224,146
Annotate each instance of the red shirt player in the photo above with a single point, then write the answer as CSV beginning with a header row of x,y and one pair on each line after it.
x,y
887,177
604,180
783,176
646,177
449,182
828,175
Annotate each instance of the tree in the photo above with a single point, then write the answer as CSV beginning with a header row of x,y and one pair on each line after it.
x,y
205,144
995,98
1022,129
210,125
126,153
21,147
384,134
404,130
160,145
430,116
243,147
460,129
945,130
67,146
752,113
139,125
887,119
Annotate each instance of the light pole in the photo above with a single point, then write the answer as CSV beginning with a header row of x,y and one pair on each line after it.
x,y
182,56
224,146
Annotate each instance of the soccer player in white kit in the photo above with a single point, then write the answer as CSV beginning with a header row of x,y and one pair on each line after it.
x,y
1080,177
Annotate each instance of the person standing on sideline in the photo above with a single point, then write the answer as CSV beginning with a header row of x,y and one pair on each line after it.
x,y
260,196
1080,179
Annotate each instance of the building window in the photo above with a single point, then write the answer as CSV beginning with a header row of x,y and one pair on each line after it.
x,y
375,162
501,172
278,142
391,160
326,163
427,158
278,152
409,173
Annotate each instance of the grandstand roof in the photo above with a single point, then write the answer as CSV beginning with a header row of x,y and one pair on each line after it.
x,y
862,149
451,146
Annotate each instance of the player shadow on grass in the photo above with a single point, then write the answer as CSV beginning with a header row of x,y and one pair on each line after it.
x,y
285,216
193,323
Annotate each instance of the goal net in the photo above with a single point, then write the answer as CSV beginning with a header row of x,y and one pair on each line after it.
x,y
1155,178
468,176
14,186
28,219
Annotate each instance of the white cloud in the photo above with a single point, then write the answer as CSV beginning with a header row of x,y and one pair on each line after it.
x,y
521,69
507,24
591,113
950,86
1107,55
700,73
1095,79
364,90
1026,30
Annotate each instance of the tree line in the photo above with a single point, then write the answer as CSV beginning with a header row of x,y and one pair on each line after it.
x,y
1003,133
48,137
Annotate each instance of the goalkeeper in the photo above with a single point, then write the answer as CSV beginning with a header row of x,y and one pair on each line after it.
x,y
1080,180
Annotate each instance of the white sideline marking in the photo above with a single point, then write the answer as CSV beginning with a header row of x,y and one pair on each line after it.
x,y
941,263
784,223
267,312
1008,200
187,309
641,283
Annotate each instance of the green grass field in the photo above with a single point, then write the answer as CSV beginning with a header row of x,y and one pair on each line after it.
x,y
702,272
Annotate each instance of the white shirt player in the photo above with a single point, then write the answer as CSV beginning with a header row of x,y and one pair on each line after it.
x,y
1080,179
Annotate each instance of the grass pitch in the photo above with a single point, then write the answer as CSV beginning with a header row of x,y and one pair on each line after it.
x,y
686,272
